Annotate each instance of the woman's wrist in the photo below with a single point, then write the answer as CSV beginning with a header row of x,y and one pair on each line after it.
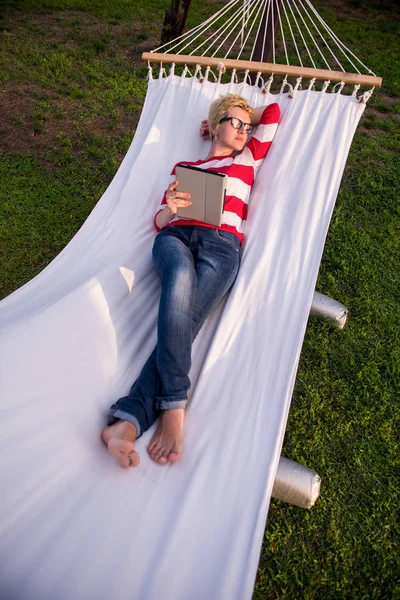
x,y
164,217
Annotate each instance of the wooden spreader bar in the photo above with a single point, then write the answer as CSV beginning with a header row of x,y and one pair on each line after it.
x,y
268,68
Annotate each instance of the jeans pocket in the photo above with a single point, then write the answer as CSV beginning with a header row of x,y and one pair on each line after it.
x,y
228,238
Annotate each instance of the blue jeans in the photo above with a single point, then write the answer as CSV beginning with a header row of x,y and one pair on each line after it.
x,y
197,267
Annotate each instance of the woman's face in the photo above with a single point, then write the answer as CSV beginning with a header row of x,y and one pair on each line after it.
x,y
229,137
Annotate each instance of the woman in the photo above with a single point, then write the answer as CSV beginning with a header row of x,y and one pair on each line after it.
x,y
197,264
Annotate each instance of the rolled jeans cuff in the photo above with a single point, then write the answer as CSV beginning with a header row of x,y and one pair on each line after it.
x,y
116,414
165,403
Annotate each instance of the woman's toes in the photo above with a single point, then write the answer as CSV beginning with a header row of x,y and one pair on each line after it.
x,y
173,456
117,446
159,453
154,452
124,452
134,459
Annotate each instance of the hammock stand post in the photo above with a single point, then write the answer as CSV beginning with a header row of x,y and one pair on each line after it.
x,y
325,308
266,68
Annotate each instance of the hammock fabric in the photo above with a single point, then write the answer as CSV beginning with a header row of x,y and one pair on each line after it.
x,y
74,525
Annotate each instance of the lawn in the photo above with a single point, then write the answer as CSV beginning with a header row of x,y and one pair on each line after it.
x,y
72,86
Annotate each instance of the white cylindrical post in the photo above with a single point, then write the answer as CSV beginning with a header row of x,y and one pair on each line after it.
x,y
324,307
296,484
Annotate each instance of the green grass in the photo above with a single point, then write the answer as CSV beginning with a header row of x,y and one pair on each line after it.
x,y
74,85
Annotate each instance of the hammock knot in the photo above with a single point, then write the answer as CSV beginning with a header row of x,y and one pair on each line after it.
x,y
221,67
366,96
267,87
356,88
312,82
284,84
186,70
341,85
198,70
326,85
296,87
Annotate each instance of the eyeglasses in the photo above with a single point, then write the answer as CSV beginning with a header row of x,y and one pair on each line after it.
x,y
238,124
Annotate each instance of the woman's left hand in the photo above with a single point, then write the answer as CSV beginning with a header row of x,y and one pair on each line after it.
x,y
204,130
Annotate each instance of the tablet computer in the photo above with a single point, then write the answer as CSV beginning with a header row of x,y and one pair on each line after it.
x,y
207,189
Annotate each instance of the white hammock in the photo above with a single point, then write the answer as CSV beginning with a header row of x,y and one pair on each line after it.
x,y
75,526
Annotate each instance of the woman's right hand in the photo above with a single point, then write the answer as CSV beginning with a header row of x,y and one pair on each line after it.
x,y
176,199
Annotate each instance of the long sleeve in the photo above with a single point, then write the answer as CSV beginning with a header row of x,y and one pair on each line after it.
x,y
264,133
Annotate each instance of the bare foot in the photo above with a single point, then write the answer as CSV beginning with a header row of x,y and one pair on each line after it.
x,y
167,441
119,439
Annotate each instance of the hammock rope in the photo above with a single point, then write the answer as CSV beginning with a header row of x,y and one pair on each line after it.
x,y
234,19
335,58
301,41
323,40
204,25
238,15
339,43
302,37
293,37
283,40
247,37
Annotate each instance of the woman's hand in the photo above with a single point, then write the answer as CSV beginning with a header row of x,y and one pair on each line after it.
x,y
205,130
176,199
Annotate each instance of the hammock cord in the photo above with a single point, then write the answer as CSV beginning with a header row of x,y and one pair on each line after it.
x,y
293,38
258,32
244,19
283,37
251,28
258,2
224,40
205,25
236,16
273,31
223,28
265,32
268,85
302,38
340,85
325,43
338,42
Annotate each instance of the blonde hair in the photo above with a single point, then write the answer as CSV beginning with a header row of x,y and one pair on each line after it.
x,y
220,108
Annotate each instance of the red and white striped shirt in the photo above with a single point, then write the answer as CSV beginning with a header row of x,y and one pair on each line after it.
x,y
241,170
